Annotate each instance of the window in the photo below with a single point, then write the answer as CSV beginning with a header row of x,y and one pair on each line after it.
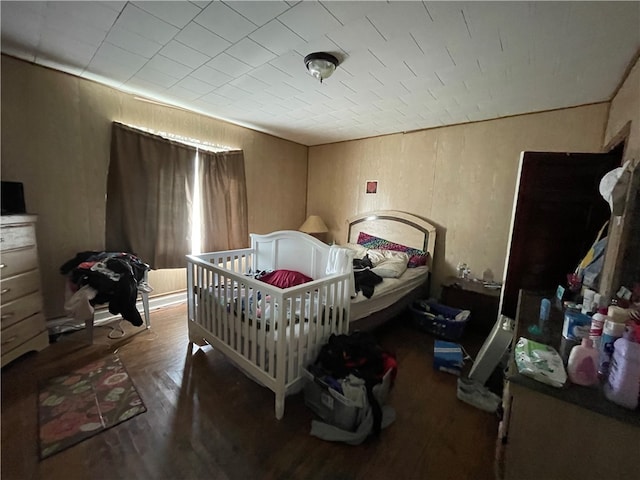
x,y
160,189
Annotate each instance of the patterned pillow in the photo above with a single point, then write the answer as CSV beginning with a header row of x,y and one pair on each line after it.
x,y
417,257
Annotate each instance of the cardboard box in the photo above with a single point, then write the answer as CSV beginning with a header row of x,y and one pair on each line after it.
x,y
447,357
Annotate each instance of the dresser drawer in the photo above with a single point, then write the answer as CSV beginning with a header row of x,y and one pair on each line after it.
x,y
17,334
18,261
16,236
18,286
20,308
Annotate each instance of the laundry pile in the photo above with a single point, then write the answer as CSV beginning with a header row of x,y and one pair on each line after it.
x,y
95,278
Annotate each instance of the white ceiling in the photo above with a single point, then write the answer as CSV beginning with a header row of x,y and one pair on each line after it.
x,y
404,65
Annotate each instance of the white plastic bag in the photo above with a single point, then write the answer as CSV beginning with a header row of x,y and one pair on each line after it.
x,y
613,187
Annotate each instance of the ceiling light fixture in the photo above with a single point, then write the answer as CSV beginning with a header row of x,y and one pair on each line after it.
x,y
321,65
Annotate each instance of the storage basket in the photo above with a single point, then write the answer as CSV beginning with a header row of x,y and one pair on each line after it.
x,y
332,407
444,324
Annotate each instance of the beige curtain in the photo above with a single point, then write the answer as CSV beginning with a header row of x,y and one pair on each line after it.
x,y
149,198
223,191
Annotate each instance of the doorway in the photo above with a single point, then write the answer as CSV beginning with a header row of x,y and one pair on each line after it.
x,y
558,211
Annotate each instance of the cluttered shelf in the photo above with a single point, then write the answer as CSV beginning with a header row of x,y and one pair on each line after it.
x,y
590,398
568,431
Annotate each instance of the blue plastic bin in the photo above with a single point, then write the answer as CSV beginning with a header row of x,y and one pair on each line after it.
x,y
444,325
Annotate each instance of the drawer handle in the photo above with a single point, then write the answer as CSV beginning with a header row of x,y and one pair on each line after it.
x,y
9,340
6,316
5,290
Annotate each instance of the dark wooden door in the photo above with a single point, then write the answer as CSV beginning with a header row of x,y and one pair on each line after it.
x,y
558,213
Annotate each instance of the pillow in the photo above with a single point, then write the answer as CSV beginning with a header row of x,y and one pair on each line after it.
x,y
285,278
377,256
358,250
391,267
417,257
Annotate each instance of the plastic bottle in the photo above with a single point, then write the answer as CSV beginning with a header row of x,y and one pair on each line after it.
x,y
597,324
582,367
623,383
610,333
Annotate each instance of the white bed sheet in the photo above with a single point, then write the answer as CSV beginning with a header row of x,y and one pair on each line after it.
x,y
388,292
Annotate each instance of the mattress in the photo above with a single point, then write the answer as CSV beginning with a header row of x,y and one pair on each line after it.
x,y
388,292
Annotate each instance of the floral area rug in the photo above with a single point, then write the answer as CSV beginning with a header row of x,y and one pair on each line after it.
x,y
87,401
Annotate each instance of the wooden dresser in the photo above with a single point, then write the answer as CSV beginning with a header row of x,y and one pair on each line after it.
x,y
24,327
572,432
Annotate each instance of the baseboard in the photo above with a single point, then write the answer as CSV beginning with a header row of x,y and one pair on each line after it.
x,y
103,316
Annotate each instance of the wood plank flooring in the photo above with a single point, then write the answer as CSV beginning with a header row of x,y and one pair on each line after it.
x,y
206,420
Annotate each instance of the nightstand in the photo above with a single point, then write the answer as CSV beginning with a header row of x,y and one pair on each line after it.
x,y
472,295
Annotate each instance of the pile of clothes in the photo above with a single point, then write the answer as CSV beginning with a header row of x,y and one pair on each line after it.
x,y
365,279
95,278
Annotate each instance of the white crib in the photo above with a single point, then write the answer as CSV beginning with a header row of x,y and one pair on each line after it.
x,y
268,332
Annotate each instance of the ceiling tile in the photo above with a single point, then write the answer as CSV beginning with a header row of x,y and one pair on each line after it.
x,y
153,75
458,73
20,27
168,66
211,76
399,17
297,19
112,72
136,20
283,90
80,31
117,55
202,4
89,15
183,54
202,40
248,51
194,85
249,84
212,98
179,91
178,14
258,12
136,85
229,65
66,50
269,74
132,42
356,34
227,23
275,37
346,12
231,92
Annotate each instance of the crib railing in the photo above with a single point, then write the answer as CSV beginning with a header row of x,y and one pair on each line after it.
x,y
271,333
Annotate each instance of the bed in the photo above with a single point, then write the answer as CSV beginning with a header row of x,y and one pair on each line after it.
x,y
393,296
270,333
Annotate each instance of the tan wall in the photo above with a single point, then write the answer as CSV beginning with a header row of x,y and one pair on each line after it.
x,y
55,138
624,114
460,177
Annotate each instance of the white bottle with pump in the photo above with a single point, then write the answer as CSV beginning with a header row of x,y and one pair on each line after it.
x,y
582,366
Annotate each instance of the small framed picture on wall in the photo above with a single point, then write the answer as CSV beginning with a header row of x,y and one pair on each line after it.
x,y
372,186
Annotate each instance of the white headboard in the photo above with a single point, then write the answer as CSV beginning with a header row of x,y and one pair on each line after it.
x,y
290,250
395,226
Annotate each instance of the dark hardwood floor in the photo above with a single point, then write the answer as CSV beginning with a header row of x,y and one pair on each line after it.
x,y
206,420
